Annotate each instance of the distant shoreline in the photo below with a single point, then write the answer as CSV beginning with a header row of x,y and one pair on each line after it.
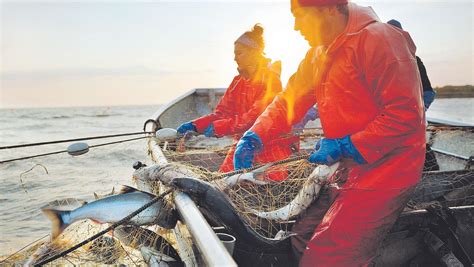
x,y
455,91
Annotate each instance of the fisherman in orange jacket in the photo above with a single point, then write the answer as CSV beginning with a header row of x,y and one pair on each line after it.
x,y
363,75
246,98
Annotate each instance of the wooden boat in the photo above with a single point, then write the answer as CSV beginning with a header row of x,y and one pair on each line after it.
x,y
440,214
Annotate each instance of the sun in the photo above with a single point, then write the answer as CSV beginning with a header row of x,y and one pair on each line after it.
x,y
282,42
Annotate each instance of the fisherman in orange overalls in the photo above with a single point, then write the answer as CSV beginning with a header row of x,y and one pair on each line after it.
x,y
246,98
363,75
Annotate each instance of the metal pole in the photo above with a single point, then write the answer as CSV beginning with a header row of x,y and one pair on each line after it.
x,y
449,153
212,249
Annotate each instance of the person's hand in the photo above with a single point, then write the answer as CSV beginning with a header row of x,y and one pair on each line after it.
x,y
428,98
330,151
311,115
209,132
245,150
186,127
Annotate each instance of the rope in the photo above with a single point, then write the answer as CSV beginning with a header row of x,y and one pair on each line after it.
x,y
64,151
111,227
73,140
261,165
154,200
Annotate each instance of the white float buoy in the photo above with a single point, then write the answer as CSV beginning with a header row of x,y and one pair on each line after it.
x,y
77,149
166,134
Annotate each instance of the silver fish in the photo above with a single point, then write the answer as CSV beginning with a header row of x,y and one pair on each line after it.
x,y
114,208
156,251
156,259
149,177
308,193
231,181
136,237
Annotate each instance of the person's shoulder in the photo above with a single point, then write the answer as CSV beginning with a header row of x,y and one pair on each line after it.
x,y
274,67
418,60
381,31
236,78
311,55
381,38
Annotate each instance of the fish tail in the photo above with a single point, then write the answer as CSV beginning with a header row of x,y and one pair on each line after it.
x,y
56,217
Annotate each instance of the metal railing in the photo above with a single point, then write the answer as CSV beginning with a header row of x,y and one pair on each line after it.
x,y
211,248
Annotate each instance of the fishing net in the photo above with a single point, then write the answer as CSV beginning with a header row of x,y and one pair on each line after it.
x,y
122,246
447,179
449,148
266,197
447,176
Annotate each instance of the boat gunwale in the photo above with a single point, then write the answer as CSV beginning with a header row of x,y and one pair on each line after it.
x,y
184,202
198,91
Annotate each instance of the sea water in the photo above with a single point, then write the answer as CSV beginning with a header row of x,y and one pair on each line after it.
x,y
24,192
26,186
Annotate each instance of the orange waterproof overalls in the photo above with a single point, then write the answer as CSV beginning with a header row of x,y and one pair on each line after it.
x,y
366,84
238,109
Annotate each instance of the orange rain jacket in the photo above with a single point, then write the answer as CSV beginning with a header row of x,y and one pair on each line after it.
x,y
366,84
240,106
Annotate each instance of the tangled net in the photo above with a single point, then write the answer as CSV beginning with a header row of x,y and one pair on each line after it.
x,y
448,180
452,185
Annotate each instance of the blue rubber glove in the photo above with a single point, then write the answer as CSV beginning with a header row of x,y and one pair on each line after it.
x,y
186,127
245,150
311,115
329,151
428,98
209,132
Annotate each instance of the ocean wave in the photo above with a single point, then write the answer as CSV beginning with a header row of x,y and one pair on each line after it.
x,y
29,127
98,115
60,117
42,117
70,116
120,156
107,115
77,177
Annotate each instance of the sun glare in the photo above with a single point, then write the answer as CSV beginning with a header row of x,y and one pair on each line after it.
x,y
283,43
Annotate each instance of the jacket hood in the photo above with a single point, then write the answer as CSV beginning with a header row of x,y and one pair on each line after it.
x,y
359,18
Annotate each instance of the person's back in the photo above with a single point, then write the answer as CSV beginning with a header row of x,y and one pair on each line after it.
x,y
431,164
429,93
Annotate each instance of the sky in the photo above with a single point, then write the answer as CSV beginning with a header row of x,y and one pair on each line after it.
x,y
107,53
